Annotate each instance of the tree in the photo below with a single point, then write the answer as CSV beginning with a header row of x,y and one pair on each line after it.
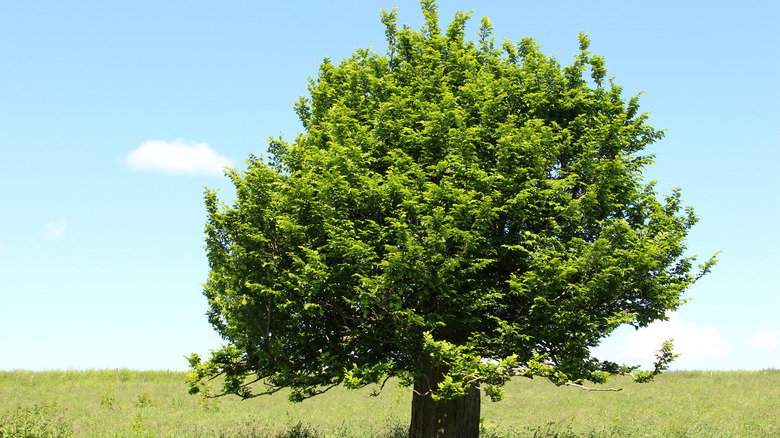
x,y
454,214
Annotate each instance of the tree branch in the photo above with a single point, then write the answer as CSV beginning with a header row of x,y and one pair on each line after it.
x,y
576,385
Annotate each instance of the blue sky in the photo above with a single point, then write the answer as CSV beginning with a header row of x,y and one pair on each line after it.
x,y
115,115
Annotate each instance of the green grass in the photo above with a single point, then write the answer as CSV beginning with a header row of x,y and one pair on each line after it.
x,y
676,404
124,403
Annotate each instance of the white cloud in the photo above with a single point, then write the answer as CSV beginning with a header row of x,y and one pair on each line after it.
x,y
54,231
691,342
177,157
699,347
765,338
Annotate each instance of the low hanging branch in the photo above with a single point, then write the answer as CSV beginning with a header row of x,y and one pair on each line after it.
x,y
576,385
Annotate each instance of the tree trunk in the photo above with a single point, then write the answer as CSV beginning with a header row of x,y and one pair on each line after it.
x,y
458,418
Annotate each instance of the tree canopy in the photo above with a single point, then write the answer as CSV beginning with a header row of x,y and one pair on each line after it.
x,y
473,206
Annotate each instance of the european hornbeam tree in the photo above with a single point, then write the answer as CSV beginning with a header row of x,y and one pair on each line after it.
x,y
453,214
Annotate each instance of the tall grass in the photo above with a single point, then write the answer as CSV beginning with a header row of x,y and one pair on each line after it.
x,y
124,403
677,404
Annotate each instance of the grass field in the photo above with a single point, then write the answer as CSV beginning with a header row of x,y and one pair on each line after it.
x,y
124,403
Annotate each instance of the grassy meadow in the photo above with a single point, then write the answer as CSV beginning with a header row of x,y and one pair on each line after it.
x,y
125,403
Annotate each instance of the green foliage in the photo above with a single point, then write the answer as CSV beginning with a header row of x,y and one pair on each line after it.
x,y
144,399
480,205
108,397
139,430
39,420
299,430
663,358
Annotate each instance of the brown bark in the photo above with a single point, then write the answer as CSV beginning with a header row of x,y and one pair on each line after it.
x,y
458,418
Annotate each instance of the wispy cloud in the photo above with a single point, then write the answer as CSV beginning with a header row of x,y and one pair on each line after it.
x,y
177,157
696,345
54,231
765,338
691,342
765,343
699,347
